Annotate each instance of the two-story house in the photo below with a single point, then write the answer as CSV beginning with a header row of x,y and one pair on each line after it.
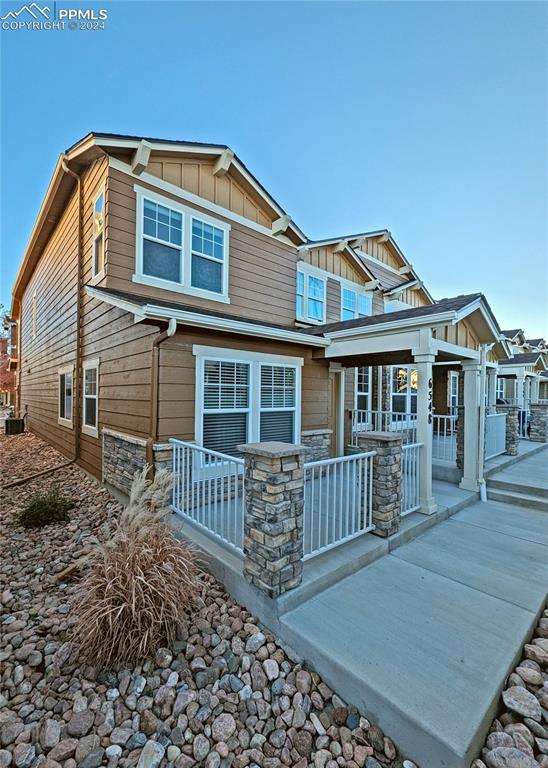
x,y
165,293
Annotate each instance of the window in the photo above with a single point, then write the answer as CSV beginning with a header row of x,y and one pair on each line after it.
x,y
179,250
500,392
453,392
207,257
225,405
278,403
34,315
363,388
245,397
65,396
355,303
395,305
310,304
404,389
98,260
90,398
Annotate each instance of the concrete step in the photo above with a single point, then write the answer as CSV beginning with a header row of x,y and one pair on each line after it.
x,y
518,499
516,487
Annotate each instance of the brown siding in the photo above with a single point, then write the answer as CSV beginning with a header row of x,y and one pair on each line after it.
x,y
262,270
336,263
460,334
196,176
55,283
177,379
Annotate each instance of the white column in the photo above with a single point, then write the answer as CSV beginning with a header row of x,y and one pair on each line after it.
x,y
535,386
424,431
491,387
472,474
520,390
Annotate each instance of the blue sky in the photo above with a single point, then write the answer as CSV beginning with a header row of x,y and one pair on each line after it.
x,y
429,119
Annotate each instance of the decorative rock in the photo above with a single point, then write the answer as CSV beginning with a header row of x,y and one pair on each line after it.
x,y
5,758
255,642
523,702
136,741
23,755
271,668
508,757
200,747
93,759
114,752
63,750
80,724
223,727
50,733
151,755
10,731
164,657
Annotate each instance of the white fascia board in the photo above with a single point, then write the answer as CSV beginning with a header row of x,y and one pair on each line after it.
x,y
395,342
233,326
472,307
456,349
403,287
153,312
394,325
349,252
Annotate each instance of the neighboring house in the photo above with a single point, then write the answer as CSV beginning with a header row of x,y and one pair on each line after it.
x,y
519,379
8,363
165,293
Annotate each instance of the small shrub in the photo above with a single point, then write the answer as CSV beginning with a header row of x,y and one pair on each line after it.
x,y
44,509
140,584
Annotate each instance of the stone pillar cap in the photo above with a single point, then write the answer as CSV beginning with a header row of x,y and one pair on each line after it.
x,y
274,449
383,436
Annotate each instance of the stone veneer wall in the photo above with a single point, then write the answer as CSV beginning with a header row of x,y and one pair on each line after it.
x,y
317,443
460,437
386,479
163,456
123,456
512,428
273,516
538,426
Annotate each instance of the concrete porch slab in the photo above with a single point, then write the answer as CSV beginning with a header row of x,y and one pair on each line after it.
x,y
520,523
423,638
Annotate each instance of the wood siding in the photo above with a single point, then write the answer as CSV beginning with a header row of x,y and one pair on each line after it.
x,y
54,284
460,334
196,176
262,270
336,263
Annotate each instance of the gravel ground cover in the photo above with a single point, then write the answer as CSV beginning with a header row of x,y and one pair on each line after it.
x,y
226,694
519,736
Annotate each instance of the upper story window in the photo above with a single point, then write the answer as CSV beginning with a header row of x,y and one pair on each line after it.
x,y
355,303
311,292
179,249
98,257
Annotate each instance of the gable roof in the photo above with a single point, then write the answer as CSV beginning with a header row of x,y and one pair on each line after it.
x,y
535,342
527,358
512,334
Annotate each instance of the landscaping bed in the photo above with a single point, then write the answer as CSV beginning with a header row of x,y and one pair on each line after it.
x,y
225,694
518,737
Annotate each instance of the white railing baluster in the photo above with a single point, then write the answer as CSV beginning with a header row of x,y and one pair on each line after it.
x,y
337,501
495,434
410,457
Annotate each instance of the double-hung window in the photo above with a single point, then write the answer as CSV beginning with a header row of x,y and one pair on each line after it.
x,y
98,256
65,396
226,401
245,397
363,388
90,413
311,291
179,249
278,403
355,303
500,391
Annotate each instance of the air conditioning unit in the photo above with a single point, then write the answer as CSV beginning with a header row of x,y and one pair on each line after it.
x,y
15,426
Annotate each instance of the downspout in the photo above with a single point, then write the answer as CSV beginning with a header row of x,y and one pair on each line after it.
x,y
154,388
484,348
79,280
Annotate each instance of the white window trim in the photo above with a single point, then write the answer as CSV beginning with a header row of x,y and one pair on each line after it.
x,y
60,420
254,359
310,272
186,248
97,276
86,429
359,291
369,390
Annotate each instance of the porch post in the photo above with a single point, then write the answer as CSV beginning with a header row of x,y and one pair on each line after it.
x,y
520,391
473,465
491,388
539,423
273,516
423,362
534,390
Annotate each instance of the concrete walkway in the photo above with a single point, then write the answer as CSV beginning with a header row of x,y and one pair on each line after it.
x,y
532,473
423,637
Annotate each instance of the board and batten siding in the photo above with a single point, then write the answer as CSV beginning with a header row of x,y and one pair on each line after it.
x,y
262,270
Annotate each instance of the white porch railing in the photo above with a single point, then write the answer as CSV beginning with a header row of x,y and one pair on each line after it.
x,y
495,434
444,438
208,490
337,501
410,462
524,418
384,421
